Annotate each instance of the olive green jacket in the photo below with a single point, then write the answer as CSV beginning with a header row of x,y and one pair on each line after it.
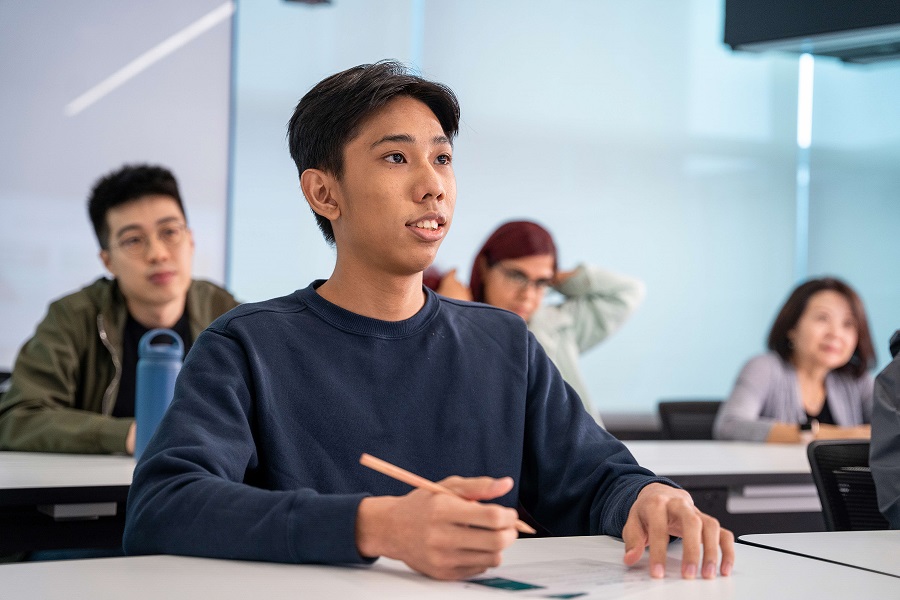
x,y
66,378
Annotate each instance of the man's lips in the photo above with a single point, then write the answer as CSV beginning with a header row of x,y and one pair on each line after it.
x,y
429,227
162,278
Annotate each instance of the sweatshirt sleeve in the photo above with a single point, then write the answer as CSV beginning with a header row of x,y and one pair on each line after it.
x,y
739,418
194,491
885,450
577,479
598,302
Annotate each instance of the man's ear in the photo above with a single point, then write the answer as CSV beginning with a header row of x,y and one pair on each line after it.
x,y
104,256
318,188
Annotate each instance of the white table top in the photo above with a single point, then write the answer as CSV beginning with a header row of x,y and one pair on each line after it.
x,y
676,457
874,550
21,470
759,573
668,458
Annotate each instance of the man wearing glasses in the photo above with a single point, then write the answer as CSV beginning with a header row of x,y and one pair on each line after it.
x,y
73,383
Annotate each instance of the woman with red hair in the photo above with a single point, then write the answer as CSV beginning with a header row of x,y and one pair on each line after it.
x,y
513,270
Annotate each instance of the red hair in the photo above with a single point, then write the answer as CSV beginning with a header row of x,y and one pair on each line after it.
x,y
511,240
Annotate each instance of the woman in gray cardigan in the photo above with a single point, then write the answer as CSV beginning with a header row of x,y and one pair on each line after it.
x,y
815,375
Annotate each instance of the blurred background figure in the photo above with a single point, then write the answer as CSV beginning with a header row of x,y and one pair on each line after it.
x,y
814,377
513,271
73,384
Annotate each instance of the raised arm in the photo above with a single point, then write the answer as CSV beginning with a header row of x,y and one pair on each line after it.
x,y
598,301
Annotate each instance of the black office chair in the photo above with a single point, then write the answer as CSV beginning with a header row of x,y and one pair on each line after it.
x,y
688,419
843,479
4,381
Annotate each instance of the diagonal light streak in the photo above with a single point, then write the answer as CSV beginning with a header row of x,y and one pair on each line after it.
x,y
148,58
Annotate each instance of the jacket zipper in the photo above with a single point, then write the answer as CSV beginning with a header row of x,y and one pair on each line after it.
x,y
108,400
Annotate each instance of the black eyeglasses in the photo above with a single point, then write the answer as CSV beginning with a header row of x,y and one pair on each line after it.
x,y
521,280
136,244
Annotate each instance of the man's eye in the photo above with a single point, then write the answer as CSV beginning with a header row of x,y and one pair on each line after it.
x,y
444,159
395,158
131,242
169,233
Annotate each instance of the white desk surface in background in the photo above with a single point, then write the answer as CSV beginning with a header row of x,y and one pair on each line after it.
x,y
676,457
759,573
875,550
22,470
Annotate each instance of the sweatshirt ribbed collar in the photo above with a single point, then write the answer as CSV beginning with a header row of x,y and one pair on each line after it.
x,y
360,325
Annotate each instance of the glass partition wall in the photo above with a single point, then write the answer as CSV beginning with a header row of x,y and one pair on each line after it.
x,y
631,132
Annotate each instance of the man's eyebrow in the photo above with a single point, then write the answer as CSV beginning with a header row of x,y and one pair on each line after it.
x,y
167,220
405,138
127,228
162,221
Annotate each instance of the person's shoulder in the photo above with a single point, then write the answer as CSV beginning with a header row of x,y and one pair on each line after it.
x,y
768,363
208,292
250,311
474,320
863,381
91,298
465,309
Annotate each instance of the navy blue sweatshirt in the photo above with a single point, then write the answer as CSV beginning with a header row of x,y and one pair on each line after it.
x,y
258,456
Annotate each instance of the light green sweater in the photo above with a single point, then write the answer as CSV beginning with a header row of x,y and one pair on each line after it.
x,y
596,303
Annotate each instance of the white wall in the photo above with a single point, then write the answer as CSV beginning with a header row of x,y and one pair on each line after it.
x,y
175,112
627,128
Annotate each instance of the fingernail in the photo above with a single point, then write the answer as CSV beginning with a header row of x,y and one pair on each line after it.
x,y
657,571
726,568
709,570
690,571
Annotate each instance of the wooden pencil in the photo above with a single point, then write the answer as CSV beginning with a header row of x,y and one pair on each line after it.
x,y
386,468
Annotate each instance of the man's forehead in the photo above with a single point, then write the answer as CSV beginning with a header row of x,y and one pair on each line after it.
x,y
401,120
156,208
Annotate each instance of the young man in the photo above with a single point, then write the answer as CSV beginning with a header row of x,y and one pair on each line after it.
x,y
258,456
73,383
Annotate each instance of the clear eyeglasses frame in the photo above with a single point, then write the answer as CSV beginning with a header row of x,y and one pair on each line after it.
x,y
136,244
521,280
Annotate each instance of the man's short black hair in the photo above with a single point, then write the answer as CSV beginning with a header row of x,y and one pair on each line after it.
x,y
331,113
126,185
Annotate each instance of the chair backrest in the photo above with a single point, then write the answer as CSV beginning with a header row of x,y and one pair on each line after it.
x,y
4,381
688,419
841,471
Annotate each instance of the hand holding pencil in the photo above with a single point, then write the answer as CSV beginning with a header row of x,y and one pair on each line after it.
x,y
386,468
439,529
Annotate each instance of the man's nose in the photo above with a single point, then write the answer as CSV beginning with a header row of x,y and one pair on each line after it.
x,y
156,249
431,184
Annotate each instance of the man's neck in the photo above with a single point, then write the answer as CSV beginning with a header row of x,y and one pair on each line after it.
x,y
156,316
383,297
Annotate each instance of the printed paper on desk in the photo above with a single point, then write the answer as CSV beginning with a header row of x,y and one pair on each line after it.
x,y
571,578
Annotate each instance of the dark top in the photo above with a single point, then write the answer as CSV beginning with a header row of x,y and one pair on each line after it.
x,y
824,417
131,336
257,457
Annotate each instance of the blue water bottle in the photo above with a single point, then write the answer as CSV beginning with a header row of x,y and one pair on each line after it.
x,y
157,367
